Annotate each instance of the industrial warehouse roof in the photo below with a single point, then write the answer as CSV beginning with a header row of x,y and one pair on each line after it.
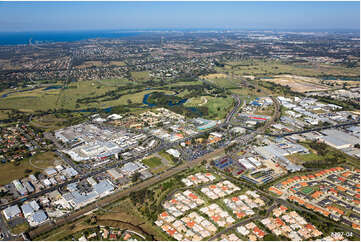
x,y
38,217
103,187
27,209
114,173
12,211
339,138
130,167
80,198
70,171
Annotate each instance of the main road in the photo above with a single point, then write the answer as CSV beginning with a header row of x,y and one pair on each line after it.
x,y
234,110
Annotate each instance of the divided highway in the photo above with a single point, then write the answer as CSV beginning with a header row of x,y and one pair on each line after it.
x,y
234,110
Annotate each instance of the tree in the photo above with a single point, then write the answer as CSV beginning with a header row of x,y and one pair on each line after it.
x,y
135,177
270,237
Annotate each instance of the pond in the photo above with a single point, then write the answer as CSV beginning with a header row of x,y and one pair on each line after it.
x,y
93,110
52,87
170,103
26,90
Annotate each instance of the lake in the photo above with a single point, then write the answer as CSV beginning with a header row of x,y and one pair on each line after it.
x,y
170,103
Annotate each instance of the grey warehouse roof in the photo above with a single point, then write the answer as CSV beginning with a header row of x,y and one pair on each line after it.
x,y
39,216
12,211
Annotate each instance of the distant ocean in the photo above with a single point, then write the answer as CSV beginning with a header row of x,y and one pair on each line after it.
x,y
17,38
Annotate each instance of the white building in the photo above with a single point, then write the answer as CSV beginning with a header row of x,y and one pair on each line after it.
x,y
174,153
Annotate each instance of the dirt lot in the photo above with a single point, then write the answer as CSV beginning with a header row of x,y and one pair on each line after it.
x,y
299,83
214,76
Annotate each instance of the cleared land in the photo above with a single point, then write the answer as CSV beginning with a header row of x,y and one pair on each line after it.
x,y
140,75
214,76
323,157
87,64
299,83
225,82
197,101
266,68
16,170
48,122
4,114
265,111
117,63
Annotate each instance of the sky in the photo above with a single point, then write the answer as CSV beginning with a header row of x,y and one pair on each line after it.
x,y
60,16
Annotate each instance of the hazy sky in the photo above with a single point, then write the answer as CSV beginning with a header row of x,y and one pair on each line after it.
x,y
29,16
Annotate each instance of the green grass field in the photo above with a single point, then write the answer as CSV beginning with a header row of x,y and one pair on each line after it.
x,y
114,82
218,107
40,99
181,83
20,228
226,82
166,156
43,100
152,162
307,190
4,114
